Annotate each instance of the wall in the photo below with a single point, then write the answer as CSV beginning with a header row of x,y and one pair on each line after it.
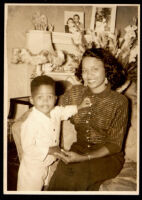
x,y
124,16
19,22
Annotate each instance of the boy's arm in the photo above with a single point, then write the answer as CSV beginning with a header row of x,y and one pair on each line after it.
x,y
67,111
70,110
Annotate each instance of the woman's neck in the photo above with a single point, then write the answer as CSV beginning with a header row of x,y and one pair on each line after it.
x,y
98,89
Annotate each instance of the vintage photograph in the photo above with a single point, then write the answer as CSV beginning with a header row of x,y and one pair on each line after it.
x,y
74,21
71,99
103,18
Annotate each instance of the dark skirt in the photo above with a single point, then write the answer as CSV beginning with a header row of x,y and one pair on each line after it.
x,y
86,176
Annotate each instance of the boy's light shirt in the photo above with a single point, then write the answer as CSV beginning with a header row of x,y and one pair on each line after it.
x,y
40,132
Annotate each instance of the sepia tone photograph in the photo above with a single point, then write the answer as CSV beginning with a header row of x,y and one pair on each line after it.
x,y
103,18
71,99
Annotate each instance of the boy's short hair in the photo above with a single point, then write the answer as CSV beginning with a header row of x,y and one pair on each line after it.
x,y
41,80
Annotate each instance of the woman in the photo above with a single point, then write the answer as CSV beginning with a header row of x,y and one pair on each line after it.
x,y
97,155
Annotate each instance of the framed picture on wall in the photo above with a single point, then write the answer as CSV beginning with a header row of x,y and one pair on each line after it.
x,y
103,18
73,21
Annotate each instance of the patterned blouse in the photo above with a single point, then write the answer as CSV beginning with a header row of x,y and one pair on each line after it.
x,y
102,124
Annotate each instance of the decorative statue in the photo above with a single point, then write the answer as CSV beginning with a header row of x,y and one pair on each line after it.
x,y
43,22
36,20
40,22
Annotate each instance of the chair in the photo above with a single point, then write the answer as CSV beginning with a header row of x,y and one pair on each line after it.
x,y
125,181
16,129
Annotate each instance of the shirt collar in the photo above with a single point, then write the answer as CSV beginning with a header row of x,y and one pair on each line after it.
x,y
103,94
40,114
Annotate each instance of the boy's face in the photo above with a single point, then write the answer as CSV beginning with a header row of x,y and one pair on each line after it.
x,y
43,98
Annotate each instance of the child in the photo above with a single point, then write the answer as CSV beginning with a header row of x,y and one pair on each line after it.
x,y
72,28
41,131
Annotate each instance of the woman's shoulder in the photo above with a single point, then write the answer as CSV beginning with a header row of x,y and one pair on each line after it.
x,y
77,91
77,88
119,97
72,95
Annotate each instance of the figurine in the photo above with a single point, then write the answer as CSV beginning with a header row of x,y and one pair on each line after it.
x,y
36,20
43,23
15,56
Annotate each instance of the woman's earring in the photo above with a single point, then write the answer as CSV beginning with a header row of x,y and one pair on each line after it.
x,y
106,81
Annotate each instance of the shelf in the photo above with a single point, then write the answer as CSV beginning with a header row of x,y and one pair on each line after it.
x,y
64,76
61,73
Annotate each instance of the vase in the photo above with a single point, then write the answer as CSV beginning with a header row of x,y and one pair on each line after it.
x,y
37,40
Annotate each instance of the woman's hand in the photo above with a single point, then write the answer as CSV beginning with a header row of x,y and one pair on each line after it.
x,y
85,103
70,156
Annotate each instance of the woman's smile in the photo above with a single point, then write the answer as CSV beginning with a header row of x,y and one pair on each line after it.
x,y
91,81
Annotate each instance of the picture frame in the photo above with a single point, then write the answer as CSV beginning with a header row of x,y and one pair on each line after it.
x,y
71,15
103,18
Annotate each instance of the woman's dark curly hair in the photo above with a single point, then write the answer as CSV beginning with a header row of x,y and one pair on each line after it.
x,y
114,71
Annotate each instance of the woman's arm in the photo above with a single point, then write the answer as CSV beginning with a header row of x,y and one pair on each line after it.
x,y
118,128
114,139
70,156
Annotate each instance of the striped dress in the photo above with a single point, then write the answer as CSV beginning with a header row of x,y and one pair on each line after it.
x,y
102,124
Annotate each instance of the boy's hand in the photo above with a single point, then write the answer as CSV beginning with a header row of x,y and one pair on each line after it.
x,y
85,103
54,149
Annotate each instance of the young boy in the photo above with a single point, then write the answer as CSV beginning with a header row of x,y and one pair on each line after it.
x,y
41,131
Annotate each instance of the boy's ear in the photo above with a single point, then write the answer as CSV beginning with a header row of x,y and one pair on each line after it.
x,y
31,100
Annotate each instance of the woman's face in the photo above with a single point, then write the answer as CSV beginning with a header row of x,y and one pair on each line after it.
x,y
93,74
70,22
